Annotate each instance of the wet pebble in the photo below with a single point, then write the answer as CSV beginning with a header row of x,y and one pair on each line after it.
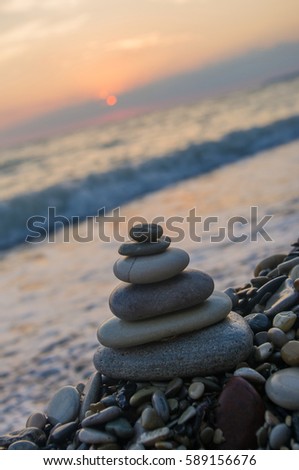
x,y
94,436
173,387
258,322
120,427
173,405
150,419
108,414
188,414
282,388
64,405
196,390
284,320
250,374
142,396
23,445
277,337
37,420
290,353
206,435
261,337
263,352
160,405
63,431
279,436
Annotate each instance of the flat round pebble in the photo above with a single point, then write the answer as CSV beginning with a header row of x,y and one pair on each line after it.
x,y
279,436
174,386
282,388
146,232
277,337
263,351
131,302
108,414
250,374
160,405
37,420
196,390
150,419
64,405
261,337
144,270
23,445
290,353
94,436
284,320
258,322
116,333
141,396
120,427
63,431
145,248
188,414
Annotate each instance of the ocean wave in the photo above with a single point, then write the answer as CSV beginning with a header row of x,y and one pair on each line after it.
x,y
84,197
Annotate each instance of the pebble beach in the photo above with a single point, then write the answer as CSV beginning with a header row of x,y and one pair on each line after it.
x,y
58,295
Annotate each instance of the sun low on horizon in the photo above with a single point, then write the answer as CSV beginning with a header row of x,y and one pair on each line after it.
x,y
55,54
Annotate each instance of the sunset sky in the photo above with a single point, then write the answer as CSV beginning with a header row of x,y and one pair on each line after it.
x,y
58,54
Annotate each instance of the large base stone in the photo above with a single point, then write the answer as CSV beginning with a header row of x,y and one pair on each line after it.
x,y
215,349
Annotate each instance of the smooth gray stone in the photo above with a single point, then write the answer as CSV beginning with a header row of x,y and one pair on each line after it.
x,y
116,333
146,232
144,248
23,445
131,302
150,419
108,414
160,405
280,436
63,431
92,393
215,349
120,427
37,420
250,374
64,405
144,269
94,436
282,388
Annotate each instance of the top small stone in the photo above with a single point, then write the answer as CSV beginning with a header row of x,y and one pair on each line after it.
x,y
146,232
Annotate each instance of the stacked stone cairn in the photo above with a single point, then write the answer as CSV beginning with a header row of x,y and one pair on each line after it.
x,y
178,369
168,320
